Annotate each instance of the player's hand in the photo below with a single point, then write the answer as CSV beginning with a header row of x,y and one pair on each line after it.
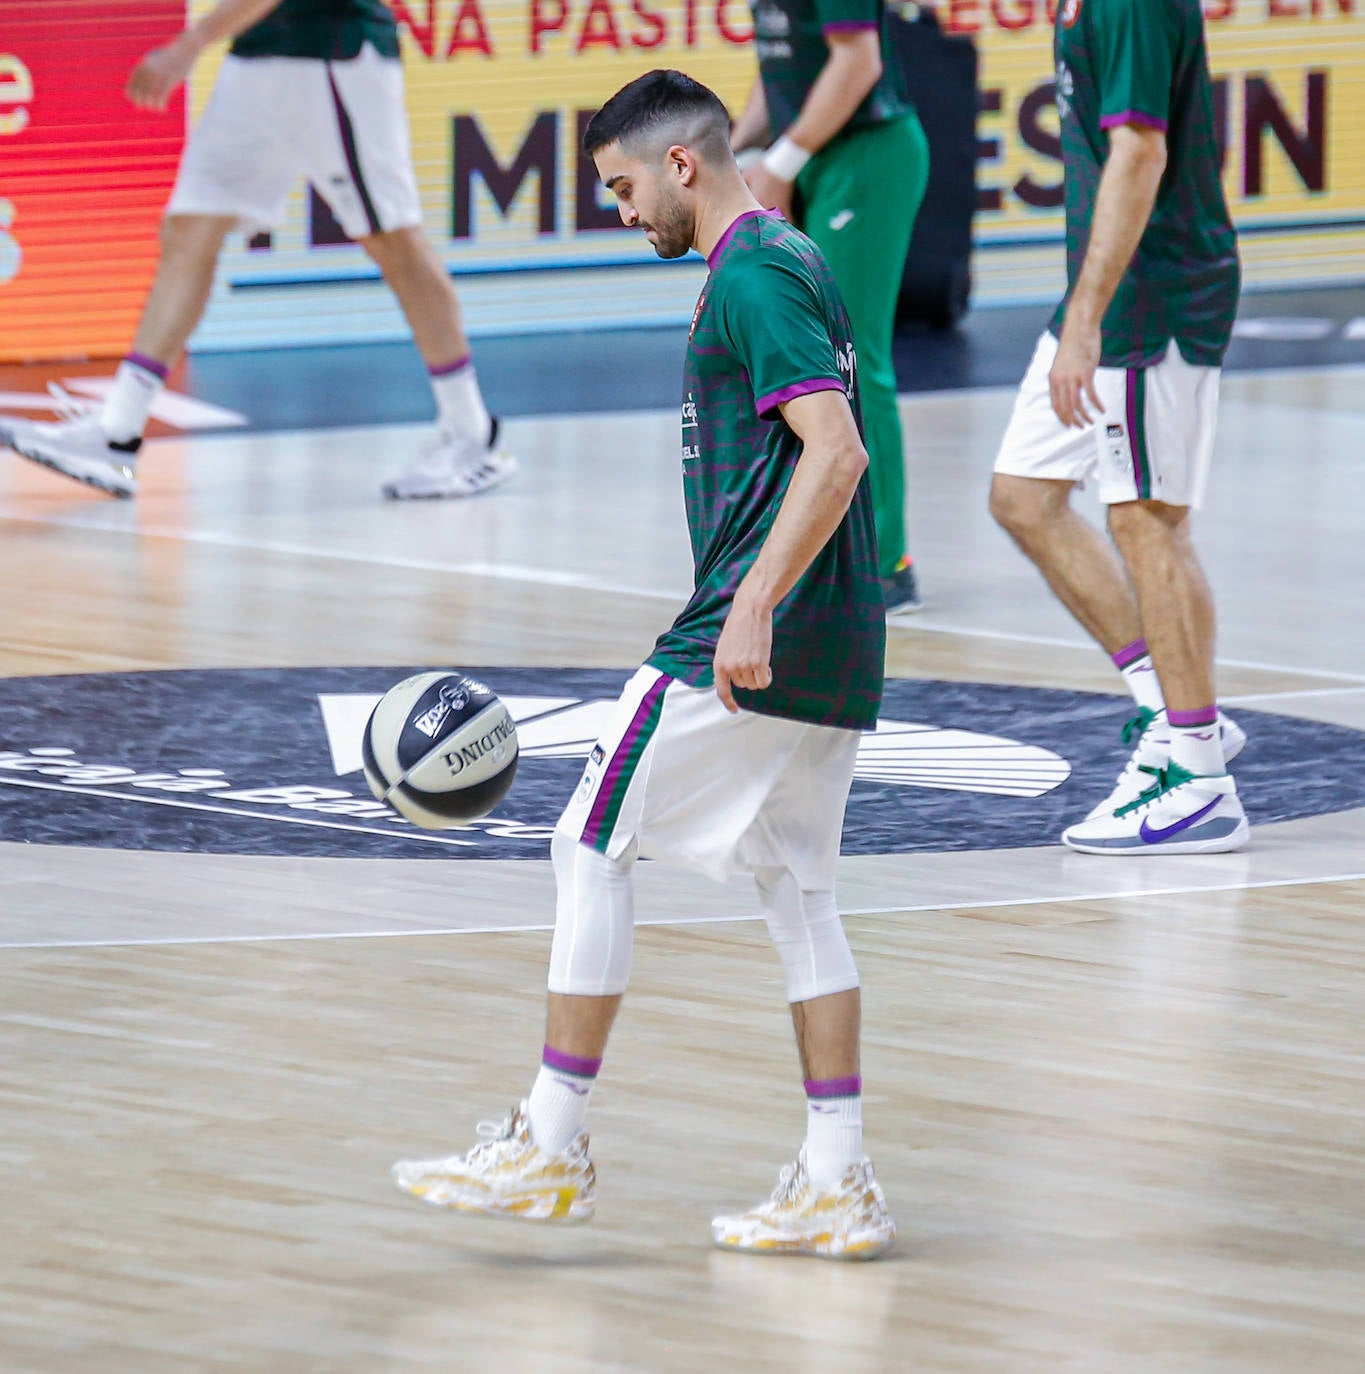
x,y
769,191
744,651
155,78
1072,378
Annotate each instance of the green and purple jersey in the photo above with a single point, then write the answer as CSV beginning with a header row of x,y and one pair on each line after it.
x,y
769,327
1145,62
330,30
789,40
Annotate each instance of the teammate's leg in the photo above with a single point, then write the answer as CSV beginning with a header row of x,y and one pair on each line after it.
x,y
360,162
862,220
100,448
1081,566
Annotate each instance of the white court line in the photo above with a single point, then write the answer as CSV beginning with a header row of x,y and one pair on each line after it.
x,y
684,920
1285,696
234,811
515,572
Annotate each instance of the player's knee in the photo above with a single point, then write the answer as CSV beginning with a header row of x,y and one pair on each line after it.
x,y
1136,524
190,237
809,937
590,954
1026,505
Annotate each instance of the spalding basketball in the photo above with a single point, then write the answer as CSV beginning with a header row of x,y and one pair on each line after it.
x,y
441,749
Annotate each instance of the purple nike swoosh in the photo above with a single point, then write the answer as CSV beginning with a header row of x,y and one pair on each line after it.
x,y
1151,836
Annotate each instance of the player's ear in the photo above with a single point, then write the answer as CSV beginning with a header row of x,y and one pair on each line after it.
x,y
683,164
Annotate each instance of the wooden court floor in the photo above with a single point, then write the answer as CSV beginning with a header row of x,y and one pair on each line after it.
x,y
1118,1107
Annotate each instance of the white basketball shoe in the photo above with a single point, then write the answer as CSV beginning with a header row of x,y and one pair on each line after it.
x,y
507,1175
76,446
850,1223
454,467
1149,734
1181,813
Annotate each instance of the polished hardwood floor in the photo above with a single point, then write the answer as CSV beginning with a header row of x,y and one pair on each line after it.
x,y
1118,1107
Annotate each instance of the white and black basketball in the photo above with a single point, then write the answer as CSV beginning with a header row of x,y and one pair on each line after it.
x,y
441,749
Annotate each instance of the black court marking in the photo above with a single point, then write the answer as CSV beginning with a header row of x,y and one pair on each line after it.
x,y
239,762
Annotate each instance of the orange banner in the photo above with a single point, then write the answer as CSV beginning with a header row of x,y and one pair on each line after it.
x,y
83,175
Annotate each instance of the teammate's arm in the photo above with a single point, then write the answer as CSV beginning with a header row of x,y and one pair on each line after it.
x,y
1128,186
154,79
822,488
853,68
751,128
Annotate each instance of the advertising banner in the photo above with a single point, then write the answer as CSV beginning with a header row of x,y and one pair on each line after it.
x,y
498,93
83,175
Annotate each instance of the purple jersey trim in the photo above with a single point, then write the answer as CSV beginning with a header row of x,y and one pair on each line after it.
x,y
849,26
714,256
767,405
1132,117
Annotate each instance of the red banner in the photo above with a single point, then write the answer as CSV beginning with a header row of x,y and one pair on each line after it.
x,y
83,175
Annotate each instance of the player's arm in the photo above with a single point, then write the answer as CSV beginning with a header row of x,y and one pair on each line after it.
x,y
822,487
156,76
1128,187
751,128
853,68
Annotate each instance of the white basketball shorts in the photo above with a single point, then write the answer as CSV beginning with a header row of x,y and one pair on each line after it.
x,y
677,777
271,120
1153,441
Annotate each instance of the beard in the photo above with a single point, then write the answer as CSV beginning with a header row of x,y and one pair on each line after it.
x,y
672,227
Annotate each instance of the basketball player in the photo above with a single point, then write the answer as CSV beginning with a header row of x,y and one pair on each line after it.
x,y
849,165
310,88
1123,389
732,750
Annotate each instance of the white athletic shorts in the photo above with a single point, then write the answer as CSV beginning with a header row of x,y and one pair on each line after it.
x,y
1154,440
272,120
676,777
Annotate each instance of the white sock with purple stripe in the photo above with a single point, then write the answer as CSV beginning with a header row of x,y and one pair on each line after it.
x,y
557,1108
834,1129
1196,744
460,411
1139,675
137,384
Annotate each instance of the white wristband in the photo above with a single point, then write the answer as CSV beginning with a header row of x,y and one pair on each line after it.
x,y
785,159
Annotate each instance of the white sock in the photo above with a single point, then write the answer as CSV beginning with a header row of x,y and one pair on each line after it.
x,y
460,411
137,384
1139,675
834,1134
1197,745
557,1109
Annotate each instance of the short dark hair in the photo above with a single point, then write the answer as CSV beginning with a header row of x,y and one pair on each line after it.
x,y
657,106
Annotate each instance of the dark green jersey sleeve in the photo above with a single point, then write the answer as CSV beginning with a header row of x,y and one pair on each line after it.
x,y
773,323
848,14
1135,44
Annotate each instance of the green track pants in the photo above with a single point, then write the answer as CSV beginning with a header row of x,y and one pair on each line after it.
x,y
858,198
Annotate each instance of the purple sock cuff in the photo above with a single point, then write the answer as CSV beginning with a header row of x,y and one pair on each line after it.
x,y
569,1063
834,1087
148,365
449,369
1182,720
1130,654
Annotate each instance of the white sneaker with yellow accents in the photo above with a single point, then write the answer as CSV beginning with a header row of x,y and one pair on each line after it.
x,y
507,1175
849,1223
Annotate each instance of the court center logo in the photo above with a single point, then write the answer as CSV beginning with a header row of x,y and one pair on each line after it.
x,y
269,762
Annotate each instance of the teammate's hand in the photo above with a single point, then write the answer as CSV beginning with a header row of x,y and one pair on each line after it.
x,y
769,191
155,78
1072,378
744,651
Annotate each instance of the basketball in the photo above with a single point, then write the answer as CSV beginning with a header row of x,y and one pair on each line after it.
x,y
441,749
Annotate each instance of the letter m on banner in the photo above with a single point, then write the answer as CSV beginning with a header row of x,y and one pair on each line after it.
x,y
539,153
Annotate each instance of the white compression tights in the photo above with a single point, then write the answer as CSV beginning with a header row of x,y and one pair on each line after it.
x,y
594,921
809,936
595,927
